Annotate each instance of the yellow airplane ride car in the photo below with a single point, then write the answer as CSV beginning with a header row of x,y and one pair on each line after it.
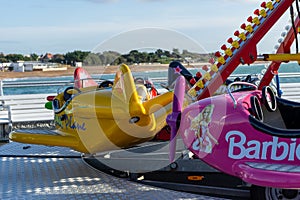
x,y
92,119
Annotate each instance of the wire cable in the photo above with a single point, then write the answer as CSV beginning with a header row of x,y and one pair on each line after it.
x,y
297,7
294,27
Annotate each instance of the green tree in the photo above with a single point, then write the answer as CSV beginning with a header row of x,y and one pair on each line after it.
x,y
152,57
27,58
119,60
159,53
175,53
108,57
14,57
34,57
76,56
58,58
2,58
92,60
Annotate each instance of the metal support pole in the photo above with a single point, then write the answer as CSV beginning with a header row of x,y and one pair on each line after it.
x,y
1,88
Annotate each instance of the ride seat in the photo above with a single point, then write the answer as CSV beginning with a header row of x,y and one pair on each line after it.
x,y
271,113
273,118
290,111
142,92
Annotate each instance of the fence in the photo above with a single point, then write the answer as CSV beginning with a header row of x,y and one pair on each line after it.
x,y
24,110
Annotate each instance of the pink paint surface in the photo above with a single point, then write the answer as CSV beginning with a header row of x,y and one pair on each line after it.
x,y
223,137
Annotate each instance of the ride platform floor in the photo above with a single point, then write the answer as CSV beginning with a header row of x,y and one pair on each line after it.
x,y
42,172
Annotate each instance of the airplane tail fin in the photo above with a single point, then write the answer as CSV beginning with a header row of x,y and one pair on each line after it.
x,y
134,95
82,78
124,83
175,70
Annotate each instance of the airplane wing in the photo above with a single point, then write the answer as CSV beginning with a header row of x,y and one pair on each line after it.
x,y
47,137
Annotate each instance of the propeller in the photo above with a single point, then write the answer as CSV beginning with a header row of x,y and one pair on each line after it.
x,y
174,117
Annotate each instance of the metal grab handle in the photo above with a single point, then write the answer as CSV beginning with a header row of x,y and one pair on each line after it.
x,y
237,83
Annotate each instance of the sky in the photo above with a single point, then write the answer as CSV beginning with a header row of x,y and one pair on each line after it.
x,y
61,26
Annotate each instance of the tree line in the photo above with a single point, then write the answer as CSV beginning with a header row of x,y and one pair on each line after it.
x,y
111,57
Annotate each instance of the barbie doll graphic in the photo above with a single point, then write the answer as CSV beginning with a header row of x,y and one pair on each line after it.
x,y
199,126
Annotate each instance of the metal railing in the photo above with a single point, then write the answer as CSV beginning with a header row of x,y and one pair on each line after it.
x,y
289,89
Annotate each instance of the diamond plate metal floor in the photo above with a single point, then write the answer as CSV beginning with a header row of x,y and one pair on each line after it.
x,y
41,172
15,149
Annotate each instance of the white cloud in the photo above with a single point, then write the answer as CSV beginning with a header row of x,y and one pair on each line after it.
x,y
103,1
205,24
246,1
149,38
